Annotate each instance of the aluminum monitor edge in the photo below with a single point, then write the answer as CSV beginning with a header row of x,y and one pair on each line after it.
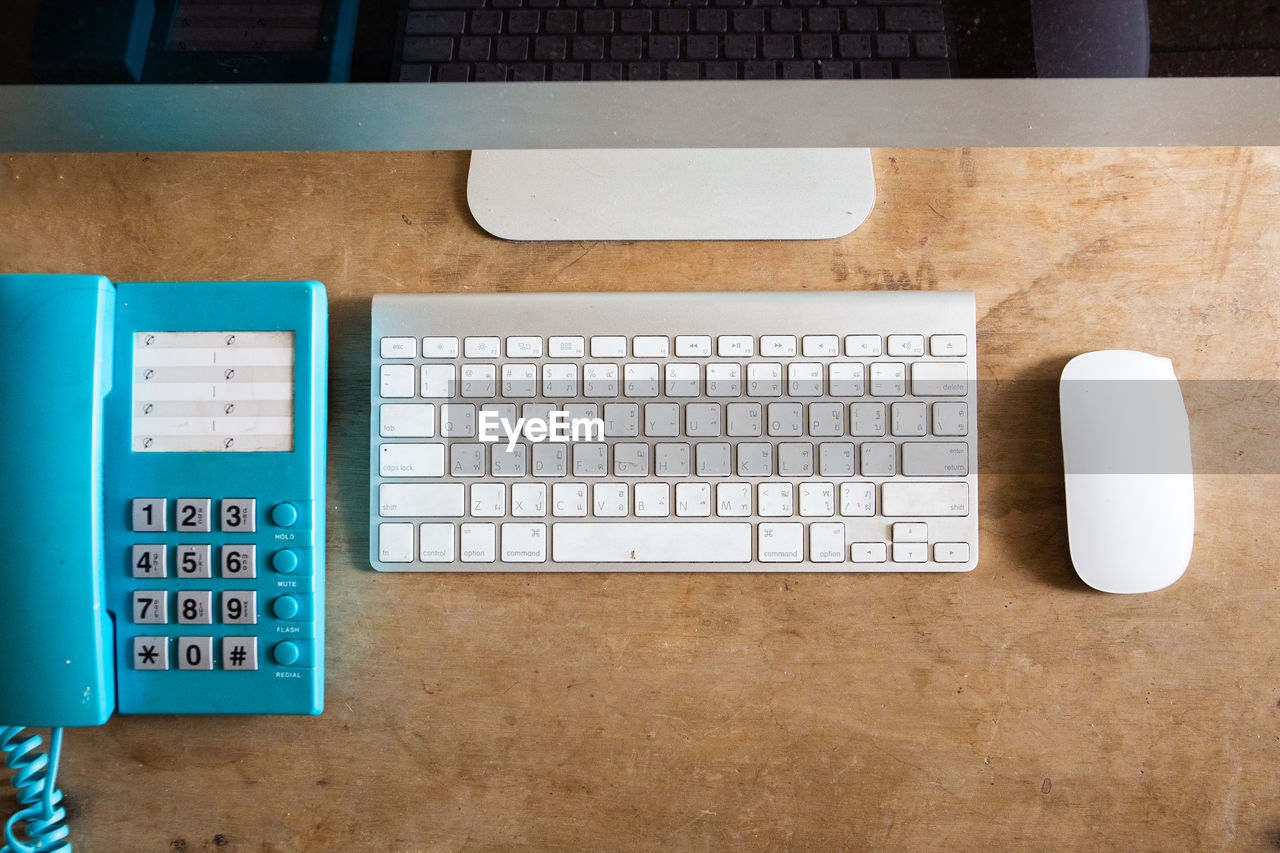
x,y
405,116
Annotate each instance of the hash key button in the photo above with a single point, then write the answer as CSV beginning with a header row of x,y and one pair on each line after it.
x,y
240,653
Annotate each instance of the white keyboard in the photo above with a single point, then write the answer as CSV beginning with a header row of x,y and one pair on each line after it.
x,y
674,432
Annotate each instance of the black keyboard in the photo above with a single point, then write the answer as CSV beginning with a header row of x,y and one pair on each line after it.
x,y
537,40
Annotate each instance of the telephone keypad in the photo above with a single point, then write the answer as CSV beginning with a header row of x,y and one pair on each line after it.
x,y
191,515
150,606
193,607
195,653
239,652
240,607
149,515
150,652
192,561
240,561
148,561
238,515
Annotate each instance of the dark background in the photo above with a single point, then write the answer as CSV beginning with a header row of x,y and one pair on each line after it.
x,y
1191,38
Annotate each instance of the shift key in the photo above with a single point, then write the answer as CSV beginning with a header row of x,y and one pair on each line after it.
x,y
909,500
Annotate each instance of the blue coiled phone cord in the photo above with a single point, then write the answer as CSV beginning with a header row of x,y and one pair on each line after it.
x,y
34,777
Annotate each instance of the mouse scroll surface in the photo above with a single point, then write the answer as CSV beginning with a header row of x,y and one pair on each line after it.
x,y
1126,452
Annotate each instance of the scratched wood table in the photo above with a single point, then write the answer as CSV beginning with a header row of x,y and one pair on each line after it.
x,y
1009,708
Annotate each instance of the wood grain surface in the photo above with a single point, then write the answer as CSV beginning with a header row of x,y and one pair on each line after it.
x,y
1007,709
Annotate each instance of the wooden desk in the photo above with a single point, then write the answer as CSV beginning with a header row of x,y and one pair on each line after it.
x,y
1010,708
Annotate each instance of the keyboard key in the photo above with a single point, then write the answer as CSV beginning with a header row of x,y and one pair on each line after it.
x,y
939,379
764,379
529,500
399,347
816,346
826,542
439,500
724,380
652,542
653,500
775,499
935,459
866,419
395,542
910,552
608,347
878,459
396,380
785,419
693,346
950,418
910,531
428,49
951,552
924,499
683,380
817,500
412,420
888,379
561,346
435,23
868,552
569,499
781,542
778,346
411,460
944,346
693,500
640,380
479,380
488,500
857,500
610,500
523,542
862,346
438,380
907,419
735,346
651,346
439,347
906,345
435,543
743,419
478,543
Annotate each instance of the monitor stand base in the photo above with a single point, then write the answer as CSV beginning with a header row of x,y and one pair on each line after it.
x,y
671,193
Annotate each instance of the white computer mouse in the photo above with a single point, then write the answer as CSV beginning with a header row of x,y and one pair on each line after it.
x,y
1126,452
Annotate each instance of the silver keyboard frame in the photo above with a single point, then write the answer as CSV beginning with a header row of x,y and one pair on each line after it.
x,y
705,313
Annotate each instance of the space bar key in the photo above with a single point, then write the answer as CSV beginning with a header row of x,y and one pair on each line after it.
x,y
651,542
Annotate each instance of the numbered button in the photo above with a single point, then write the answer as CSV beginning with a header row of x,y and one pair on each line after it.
x,y
150,652
193,607
240,653
195,653
148,561
148,515
239,561
238,515
192,561
191,515
240,607
150,607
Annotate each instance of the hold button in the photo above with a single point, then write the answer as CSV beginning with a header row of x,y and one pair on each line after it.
x,y
284,515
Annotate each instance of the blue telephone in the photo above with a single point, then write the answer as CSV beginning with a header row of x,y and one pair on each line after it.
x,y
162,481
